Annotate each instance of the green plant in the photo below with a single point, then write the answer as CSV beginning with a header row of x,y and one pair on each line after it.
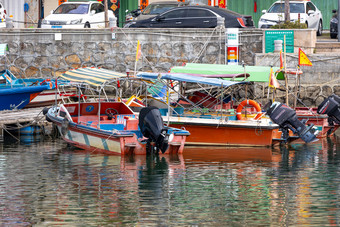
x,y
290,25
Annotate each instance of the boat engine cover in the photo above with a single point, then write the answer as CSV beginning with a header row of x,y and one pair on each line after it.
x,y
286,117
331,107
152,127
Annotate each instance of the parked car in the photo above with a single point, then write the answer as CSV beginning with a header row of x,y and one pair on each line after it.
x,y
152,10
2,16
78,15
333,27
194,17
306,11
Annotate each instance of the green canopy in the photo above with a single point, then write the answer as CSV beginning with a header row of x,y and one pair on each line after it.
x,y
257,73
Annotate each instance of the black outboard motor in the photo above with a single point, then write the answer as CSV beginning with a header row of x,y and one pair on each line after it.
x,y
331,107
287,119
152,127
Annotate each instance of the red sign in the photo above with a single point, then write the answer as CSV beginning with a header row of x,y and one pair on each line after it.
x,y
61,1
221,3
144,3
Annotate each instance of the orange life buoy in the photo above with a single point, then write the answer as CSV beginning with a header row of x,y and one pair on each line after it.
x,y
246,103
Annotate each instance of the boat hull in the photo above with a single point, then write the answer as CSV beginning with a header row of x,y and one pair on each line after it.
x,y
232,133
108,144
18,98
119,135
320,121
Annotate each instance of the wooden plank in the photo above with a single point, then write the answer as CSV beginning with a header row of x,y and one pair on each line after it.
x,y
20,116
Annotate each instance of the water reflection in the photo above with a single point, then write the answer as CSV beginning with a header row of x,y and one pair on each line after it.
x,y
47,184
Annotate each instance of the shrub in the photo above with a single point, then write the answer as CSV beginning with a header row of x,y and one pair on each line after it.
x,y
290,25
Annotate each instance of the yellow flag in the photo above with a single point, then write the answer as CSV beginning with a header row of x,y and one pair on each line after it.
x,y
272,80
139,51
303,59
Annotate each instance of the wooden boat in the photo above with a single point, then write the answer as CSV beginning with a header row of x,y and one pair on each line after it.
x,y
220,128
111,126
260,74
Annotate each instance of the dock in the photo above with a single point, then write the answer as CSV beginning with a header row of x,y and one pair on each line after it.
x,y
10,119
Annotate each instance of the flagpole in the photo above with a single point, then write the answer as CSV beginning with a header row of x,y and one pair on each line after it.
x,y
138,54
135,68
285,70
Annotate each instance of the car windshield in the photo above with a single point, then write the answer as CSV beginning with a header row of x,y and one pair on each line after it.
x,y
157,9
294,8
72,9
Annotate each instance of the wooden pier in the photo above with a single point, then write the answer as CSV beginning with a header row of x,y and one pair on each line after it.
x,y
21,118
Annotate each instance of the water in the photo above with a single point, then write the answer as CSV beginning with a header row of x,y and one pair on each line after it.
x,y
47,184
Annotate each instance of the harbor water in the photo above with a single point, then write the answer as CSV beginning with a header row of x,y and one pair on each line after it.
x,y
43,182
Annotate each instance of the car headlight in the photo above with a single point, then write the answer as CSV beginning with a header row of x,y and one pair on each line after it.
x,y
78,21
129,18
263,21
45,22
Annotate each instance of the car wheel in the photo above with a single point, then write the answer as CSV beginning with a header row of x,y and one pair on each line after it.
x,y
87,25
333,36
319,32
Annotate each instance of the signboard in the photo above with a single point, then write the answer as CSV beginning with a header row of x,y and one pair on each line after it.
x,y
232,43
222,3
271,35
232,55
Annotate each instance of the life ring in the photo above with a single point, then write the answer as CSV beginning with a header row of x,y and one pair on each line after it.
x,y
250,103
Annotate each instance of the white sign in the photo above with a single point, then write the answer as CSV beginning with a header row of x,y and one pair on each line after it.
x,y
232,36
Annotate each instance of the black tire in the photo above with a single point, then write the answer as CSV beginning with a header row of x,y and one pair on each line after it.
x,y
333,36
87,25
319,31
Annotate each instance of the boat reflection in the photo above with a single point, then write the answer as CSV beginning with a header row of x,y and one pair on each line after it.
x,y
223,154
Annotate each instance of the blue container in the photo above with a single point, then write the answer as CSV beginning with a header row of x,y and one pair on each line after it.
x,y
30,130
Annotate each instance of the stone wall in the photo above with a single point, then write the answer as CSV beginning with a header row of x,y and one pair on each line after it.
x,y
39,53
47,53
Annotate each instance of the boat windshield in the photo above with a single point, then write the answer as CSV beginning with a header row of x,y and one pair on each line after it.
x,y
294,8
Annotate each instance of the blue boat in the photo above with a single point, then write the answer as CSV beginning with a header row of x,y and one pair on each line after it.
x,y
17,93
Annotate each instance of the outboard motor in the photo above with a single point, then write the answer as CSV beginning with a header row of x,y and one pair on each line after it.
x,y
286,118
152,127
331,107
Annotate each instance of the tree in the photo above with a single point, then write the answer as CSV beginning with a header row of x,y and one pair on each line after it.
x,y
287,10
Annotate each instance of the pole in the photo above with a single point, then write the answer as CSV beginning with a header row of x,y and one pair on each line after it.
x,y
106,14
338,14
285,70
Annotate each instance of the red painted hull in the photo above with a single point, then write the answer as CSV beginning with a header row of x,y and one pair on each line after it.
x,y
201,134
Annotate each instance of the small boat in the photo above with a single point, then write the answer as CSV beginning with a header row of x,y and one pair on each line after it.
x,y
46,97
109,126
261,74
18,97
113,128
216,128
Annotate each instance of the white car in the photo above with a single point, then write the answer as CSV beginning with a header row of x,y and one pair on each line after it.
x,y
2,16
305,10
78,15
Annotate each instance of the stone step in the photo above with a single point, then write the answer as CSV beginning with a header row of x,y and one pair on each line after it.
x,y
327,47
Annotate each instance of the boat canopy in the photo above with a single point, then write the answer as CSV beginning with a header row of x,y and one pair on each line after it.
x,y
257,73
184,77
91,75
